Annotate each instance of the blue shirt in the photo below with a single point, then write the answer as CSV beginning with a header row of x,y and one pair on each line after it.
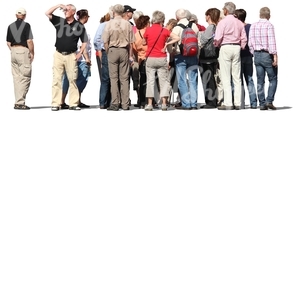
x,y
98,43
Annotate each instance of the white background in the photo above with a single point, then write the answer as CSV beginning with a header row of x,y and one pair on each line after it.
x,y
138,205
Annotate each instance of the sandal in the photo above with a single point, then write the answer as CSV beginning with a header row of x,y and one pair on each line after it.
x,y
21,106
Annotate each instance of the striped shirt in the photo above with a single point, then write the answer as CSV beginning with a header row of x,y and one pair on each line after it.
x,y
262,37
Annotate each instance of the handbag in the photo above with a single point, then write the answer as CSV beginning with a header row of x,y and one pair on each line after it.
x,y
142,66
209,51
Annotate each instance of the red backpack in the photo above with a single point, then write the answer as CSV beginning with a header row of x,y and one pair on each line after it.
x,y
189,41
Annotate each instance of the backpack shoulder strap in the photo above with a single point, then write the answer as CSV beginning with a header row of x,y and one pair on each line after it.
x,y
190,24
181,25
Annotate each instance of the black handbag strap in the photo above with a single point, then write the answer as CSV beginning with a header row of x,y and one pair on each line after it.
x,y
154,44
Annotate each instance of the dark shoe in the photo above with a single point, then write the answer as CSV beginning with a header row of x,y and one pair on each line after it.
x,y
137,105
253,107
103,107
271,106
207,106
178,104
55,108
21,106
183,108
194,108
113,108
264,107
237,107
127,108
82,105
74,108
224,107
64,106
220,103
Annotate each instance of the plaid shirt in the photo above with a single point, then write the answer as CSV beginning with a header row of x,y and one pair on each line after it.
x,y
262,37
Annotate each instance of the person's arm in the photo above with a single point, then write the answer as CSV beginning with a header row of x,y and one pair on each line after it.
x,y
106,46
31,49
275,60
174,38
9,45
86,53
50,11
131,58
81,51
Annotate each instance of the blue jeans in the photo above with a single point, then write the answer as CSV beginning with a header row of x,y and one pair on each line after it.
x,y
263,64
187,78
84,72
104,94
246,75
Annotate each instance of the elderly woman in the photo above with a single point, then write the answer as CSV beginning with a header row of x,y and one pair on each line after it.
x,y
139,51
157,38
209,65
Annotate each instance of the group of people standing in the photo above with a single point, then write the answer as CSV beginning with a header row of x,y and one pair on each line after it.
x,y
149,52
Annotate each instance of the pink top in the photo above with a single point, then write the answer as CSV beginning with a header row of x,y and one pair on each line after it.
x,y
230,30
151,35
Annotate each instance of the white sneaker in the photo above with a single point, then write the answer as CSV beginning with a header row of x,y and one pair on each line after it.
x,y
149,107
164,107
74,108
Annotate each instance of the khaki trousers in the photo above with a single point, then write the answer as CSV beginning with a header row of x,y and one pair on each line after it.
x,y
21,71
230,68
62,64
118,66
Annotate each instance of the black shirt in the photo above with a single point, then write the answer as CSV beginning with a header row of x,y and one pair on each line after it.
x,y
18,33
67,35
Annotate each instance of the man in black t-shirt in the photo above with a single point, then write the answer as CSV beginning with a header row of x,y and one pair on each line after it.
x,y
68,32
19,41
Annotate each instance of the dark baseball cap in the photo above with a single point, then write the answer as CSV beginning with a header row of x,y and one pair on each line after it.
x,y
128,8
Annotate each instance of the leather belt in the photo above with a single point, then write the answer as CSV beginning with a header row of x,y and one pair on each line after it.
x,y
65,52
231,44
262,50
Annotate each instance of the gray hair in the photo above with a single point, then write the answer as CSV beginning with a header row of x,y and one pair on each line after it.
x,y
188,14
230,7
111,12
265,13
72,6
158,17
118,9
180,13
137,14
193,18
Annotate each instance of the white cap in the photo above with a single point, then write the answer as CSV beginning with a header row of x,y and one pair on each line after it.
x,y
21,11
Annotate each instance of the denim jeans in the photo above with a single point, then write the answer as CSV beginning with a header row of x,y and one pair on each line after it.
x,y
84,72
263,64
104,94
187,78
246,76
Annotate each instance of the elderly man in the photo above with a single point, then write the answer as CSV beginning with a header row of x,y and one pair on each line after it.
x,y
262,44
68,32
186,66
231,36
19,41
118,38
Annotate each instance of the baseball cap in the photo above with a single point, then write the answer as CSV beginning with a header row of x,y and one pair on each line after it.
x,y
21,11
128,8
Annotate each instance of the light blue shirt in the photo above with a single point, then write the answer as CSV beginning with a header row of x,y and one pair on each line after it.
x,y
98,43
